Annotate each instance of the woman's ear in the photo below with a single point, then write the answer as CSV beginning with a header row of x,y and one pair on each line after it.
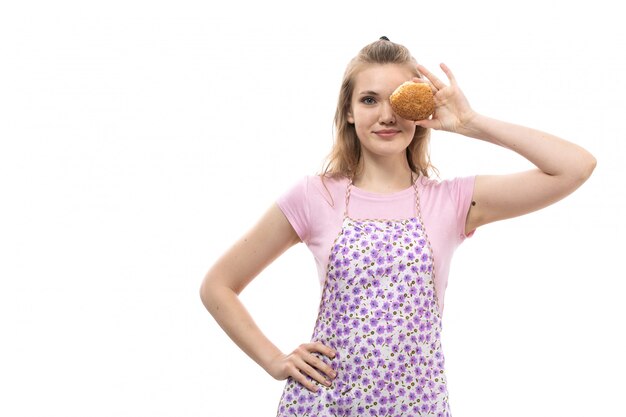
x,y
350,118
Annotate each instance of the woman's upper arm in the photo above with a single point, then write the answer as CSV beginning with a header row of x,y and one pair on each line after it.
x,y
263,243
499,197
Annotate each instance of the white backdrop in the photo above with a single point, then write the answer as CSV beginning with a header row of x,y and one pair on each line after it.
x,y
140,139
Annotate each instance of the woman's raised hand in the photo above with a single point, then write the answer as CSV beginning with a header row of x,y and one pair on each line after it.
x,y
302,362
452,110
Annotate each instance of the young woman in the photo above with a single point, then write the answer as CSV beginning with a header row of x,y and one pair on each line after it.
x,y
383,235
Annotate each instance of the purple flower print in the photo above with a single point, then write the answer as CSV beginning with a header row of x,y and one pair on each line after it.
x,y
379,312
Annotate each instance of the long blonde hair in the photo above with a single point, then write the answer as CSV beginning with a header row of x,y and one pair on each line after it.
x,y
345,156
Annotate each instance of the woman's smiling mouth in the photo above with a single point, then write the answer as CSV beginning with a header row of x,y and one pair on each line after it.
x,y
387,133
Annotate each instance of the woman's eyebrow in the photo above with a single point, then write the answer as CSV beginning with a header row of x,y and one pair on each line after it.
x,y
368,93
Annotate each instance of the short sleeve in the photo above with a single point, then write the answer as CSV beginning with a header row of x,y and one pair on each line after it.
x,y
295,206
461,191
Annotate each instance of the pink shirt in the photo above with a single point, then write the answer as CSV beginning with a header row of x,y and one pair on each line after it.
x,y
316,214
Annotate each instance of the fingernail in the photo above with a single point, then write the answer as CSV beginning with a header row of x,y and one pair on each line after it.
x,y
327,382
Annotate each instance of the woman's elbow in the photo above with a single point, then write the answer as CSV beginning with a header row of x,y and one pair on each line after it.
x,y
208,290
587,167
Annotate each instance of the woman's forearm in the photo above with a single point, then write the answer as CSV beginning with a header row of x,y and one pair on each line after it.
x,y
551,154
229,312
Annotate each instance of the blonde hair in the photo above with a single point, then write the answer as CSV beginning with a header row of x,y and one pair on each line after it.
x,y
344,158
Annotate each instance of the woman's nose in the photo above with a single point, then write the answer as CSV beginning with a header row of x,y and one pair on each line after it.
x,y
387,115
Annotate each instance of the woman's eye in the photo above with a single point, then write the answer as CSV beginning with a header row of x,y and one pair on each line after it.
x,y
368,100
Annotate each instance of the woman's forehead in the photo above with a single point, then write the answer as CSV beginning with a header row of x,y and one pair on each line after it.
x,y
381,78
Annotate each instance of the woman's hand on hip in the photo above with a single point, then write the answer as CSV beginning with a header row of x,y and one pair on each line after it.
x,y
302,363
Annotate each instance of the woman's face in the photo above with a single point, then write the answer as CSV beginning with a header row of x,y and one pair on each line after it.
x,y
381,132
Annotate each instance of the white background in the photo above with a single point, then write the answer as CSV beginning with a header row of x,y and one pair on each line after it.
x,y
140,139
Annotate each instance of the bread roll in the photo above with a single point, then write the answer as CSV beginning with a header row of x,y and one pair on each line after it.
x,y
413,101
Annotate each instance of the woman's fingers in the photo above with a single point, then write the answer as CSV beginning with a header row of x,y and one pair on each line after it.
x,y
448,73
433,79
306,363
307,350
321,348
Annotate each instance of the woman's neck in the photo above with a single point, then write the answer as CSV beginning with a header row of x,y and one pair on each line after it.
x,y
384,176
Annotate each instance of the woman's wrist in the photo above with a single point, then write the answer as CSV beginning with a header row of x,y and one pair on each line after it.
x,y
471,124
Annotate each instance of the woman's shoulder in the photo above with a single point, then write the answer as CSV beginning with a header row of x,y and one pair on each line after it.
x,y
319,188
457,188
329,187
445,183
